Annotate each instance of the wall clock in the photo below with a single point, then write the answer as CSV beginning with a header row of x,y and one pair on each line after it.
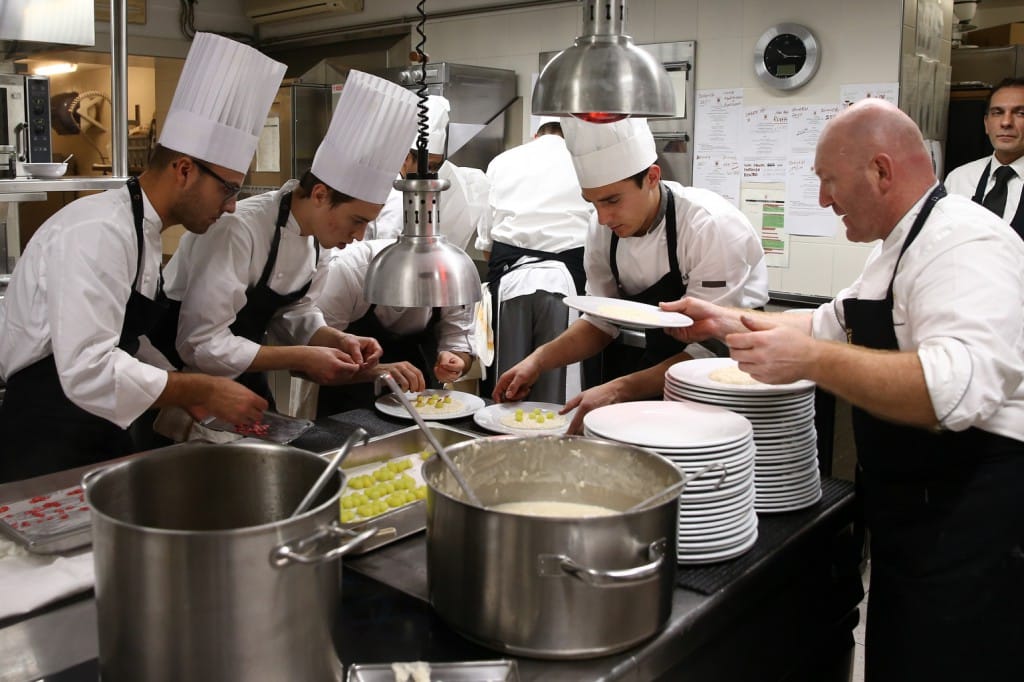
x,y
786,56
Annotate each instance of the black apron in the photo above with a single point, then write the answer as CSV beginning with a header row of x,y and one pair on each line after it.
x,y
42,431
946,516
262,303
979,195
420,349
659,345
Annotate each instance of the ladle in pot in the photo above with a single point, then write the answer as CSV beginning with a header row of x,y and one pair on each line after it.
x,y
332,466
438,448
677,488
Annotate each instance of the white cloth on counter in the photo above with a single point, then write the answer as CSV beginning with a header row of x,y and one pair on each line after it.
x,y
30,581
716,244
957,301
210,273
964,181
67,297
340,297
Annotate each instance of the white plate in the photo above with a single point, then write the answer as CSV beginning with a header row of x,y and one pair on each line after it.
x,y
656,423
390,405
491,417
687,558
695,373
627,313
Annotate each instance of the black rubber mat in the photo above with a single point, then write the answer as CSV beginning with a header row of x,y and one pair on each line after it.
x,y
772,531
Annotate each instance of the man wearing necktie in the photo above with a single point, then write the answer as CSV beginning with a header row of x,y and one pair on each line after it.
x,y
996,181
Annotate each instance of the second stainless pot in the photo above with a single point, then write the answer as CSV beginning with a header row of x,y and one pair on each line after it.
x,y
202,575
552,587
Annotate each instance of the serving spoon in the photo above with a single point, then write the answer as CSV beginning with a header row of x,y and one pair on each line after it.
x,y
438,448
332,466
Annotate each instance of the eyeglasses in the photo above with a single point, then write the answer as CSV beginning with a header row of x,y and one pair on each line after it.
x,y
999,112
230,190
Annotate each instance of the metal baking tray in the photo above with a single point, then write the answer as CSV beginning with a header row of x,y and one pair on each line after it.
x,y
503,670
53,522
279,428
412,518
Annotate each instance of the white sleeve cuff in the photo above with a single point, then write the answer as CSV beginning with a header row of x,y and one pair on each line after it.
x,y
948,370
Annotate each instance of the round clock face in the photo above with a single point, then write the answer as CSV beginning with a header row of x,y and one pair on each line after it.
x,y
786,56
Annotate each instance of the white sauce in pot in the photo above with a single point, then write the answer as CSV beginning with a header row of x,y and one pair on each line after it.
x,y
572,510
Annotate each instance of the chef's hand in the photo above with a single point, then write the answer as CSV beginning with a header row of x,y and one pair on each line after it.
x,y
450,366
773,354
515,384
229,400
406,375
325,365
364,350
598,396
710,321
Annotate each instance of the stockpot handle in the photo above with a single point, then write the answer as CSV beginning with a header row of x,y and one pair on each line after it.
x,y
298,552
558,565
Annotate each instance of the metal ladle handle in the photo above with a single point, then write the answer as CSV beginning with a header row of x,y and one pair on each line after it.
x,y
400,394
677,488
332,466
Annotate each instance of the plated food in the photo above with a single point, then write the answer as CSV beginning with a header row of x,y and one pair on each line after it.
x,y
732,374
534,420
432,404
524,418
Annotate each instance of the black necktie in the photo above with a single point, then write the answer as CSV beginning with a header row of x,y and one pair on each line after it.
x,y
995,200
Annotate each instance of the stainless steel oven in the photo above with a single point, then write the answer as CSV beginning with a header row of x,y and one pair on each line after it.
x,y
24,122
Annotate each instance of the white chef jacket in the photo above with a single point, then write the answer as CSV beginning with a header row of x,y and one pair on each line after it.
x,y
390,222
957,300
340,296
716,243
67,296
463,207
210,273
964,181
536,203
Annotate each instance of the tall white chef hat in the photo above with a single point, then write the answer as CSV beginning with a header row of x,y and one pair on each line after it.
x,y
364,147
221,102
603,153
438,110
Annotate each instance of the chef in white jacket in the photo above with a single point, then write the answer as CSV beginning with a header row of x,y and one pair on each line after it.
x,y
78,369
252,272
649,240
463,204
534,246
417,342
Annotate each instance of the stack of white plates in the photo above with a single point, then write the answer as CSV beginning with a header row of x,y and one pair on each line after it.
x,y
786,467
717,520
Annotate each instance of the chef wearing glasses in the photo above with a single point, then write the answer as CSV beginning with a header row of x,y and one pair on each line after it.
x,y
252,272
78,368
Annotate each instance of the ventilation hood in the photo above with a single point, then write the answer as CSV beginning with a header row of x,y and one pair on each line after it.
x,y
31,26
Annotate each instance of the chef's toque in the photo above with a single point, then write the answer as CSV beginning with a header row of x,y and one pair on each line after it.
x,y
365,144
544,120
603,153
221,102
438,109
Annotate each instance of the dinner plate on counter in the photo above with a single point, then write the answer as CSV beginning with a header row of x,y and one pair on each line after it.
x,y
467,404
625,313
495,417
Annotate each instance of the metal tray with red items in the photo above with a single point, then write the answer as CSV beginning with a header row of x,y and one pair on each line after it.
x,y
49,523
274,427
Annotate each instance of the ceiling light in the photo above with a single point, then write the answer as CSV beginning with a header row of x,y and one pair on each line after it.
x,y
421,269
55,69
604,77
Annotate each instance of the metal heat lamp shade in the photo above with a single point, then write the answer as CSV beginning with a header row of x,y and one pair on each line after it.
x,y
421,269
603,77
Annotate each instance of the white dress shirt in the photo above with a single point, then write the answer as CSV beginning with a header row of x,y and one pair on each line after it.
x,y
957,301
964,181
67,296
536,203
339,294
716,244
210,273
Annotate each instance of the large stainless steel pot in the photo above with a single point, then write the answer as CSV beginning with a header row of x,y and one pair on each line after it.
x,y
552,587
201,575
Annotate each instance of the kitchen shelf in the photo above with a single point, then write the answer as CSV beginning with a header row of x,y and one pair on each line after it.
x,y
22,186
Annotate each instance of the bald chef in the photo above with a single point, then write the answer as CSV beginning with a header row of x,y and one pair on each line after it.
x,y
253,270
85,290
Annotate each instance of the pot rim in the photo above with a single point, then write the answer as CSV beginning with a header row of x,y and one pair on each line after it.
x,y
90,478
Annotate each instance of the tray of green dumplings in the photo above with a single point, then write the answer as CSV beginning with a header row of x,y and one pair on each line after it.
x,y
384,486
